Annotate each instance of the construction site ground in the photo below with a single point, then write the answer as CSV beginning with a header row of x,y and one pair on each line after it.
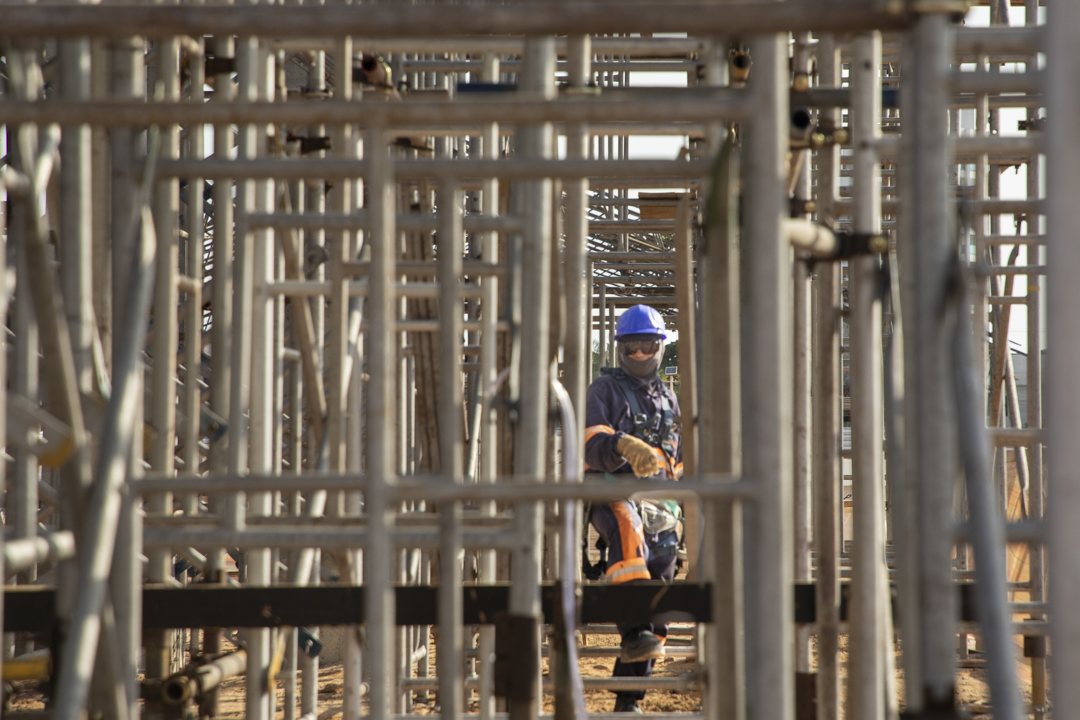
x,y
972,690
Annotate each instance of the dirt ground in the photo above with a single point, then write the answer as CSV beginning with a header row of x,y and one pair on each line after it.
x,y
972,689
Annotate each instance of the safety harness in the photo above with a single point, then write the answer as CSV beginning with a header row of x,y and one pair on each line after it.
x,y
663,437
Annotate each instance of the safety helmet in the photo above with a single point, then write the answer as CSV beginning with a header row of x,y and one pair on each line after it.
x,y
640,320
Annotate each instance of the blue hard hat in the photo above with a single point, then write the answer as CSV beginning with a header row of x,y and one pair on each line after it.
x,y
640,320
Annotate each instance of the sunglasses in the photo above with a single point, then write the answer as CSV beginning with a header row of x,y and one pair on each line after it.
x,y
649,347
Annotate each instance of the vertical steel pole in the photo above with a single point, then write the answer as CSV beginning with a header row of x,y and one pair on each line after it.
x,y
489,348
578,354
380,459
868,573
828,437
927,255
534,142
766,377
193,316
1036,479
1063,329
76,215
254,361
221,305
720,420
163,383
451,636
128,83
802,431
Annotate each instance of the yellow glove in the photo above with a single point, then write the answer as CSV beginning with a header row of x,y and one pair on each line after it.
x,y
639,454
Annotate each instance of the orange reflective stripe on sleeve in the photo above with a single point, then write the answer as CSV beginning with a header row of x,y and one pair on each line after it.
x,y
665,463
598,430
679,470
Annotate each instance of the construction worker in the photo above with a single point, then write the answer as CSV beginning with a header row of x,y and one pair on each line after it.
x,y
631,426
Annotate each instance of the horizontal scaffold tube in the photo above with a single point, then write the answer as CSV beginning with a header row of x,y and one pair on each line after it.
x,y
434,489
195,680
25,552
652,105
516,169
438,20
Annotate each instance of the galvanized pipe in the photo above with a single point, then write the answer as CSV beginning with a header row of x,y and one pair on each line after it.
x,y
255,65
380,413
987,523
103,515
517,168
802,449
826,416
656,105
767,439
927,251
1063,325
489,310
436,489
868,644
76,243
534,141
26,552
529,19
166,208
451,456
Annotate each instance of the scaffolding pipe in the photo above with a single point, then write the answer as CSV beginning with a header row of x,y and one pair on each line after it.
x,y
379,422
767,440
534,141
103,514
489,315
195,682
655,105
1063,325
26,552
930,433
826,416
986,520
451,636
529,19
257,83
868,643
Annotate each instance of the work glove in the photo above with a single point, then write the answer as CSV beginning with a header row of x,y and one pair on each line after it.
x,y
639,454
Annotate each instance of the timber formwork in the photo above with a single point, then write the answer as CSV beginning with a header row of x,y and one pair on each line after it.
x,y
293,292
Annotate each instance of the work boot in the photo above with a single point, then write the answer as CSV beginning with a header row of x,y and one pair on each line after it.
x,y
627,704
640,647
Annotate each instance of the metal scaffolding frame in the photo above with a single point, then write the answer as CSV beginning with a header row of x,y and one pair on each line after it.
x,y
291,293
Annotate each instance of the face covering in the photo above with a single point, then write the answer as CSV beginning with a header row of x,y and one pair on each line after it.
x,y
645,369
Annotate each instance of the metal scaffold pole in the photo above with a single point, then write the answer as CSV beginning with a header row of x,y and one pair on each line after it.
x,y
826,414
868,643
927,252
534,141
767,371
1063,347
378,568
400,270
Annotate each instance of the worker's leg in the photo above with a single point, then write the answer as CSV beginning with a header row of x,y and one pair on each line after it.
x,y
628,561
661,551
620,525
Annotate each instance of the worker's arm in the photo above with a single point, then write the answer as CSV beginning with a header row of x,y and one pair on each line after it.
x,y
605,406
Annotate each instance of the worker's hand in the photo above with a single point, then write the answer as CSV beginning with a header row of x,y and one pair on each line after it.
x,y
640,456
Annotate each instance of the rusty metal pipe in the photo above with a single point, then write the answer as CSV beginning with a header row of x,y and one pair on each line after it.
x,y
193,681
